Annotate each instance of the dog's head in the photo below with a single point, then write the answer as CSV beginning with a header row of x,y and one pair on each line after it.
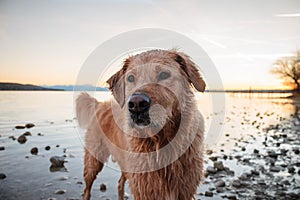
x,y
151,86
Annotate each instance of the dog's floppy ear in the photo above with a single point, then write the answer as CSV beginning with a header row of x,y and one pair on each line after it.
x,y
117,84
191,70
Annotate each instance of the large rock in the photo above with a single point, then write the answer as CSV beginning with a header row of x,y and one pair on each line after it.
x,y
19,127
2,176
34,151
291,169
22,139
102,187
57,161
29,125
209,194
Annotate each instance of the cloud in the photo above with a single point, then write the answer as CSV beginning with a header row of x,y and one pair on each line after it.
x,y
288,15
218,44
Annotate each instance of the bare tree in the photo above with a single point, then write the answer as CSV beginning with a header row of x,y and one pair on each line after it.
x,y
288,68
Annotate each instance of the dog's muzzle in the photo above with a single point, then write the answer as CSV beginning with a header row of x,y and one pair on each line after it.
x,y
138,106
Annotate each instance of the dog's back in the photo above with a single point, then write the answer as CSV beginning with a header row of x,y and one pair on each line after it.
x,y
85,109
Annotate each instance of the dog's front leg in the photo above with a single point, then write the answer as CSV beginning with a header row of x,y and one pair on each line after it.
x,y
121,184
91,168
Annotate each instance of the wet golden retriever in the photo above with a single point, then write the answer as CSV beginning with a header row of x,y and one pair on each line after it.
x,y
152,127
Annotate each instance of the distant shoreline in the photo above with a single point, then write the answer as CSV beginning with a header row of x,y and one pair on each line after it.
x,y
5,86
24,87
251,91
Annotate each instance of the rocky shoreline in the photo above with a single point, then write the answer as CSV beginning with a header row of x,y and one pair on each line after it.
x,y
271,171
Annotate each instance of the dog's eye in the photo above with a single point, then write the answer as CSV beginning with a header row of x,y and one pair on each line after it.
x,y
130,78
163,76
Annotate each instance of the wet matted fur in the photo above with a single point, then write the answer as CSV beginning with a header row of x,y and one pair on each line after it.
x,y
170,131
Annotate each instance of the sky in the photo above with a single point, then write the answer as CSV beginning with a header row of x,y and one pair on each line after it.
x,y
47,42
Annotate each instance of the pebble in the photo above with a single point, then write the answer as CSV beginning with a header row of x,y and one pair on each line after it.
x,y
261,182
40,134
294,195
64,178
296,150
219,165
213,158
291,169
2,148
271,160
272,154
71,155
209,194
57,161
19,127
283,151
12,137
27,133
48,184
22,139
286,182
238,157
245,176
281,193
255,151
225,157
211,188
209,152
2,176
79,182
60,191
220,183
231,197
220,190
236,183
102,187
29,125
34,151
255,172
211,170
47,148
275,169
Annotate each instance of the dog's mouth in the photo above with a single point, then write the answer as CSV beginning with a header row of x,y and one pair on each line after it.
x,y
140,119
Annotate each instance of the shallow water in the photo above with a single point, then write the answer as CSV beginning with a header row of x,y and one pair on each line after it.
x,y
29,176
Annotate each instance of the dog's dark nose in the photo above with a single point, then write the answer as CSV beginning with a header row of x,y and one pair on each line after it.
x,y
139,103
